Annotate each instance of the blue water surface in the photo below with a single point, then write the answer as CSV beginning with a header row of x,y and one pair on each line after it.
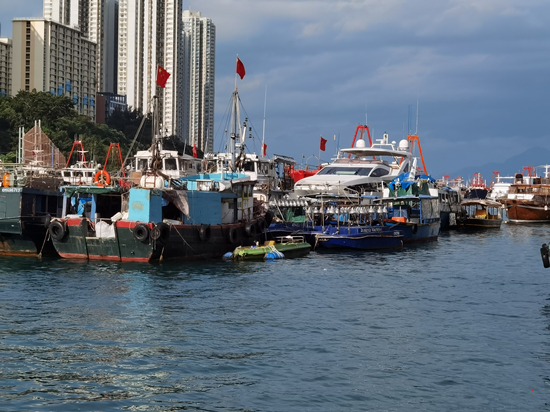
x,y
462,324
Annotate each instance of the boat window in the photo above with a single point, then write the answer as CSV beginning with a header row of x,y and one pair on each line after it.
x,y
142,164
170,164
378,172
249,166
345,171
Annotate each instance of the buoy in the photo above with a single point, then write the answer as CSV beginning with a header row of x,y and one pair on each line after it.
x,y
102,178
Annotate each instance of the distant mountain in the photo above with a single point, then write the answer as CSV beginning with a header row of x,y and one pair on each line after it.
x,y
536,156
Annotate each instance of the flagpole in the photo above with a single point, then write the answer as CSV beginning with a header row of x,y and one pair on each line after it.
x,y
263,129
319,158
236,72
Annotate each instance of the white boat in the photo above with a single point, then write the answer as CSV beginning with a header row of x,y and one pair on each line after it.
x,y
359,170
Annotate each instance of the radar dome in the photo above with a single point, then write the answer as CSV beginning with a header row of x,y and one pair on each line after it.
x,y
404,145
360,144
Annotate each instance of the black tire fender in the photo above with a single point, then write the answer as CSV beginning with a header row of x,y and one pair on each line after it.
x,y
414,229
262,225
233,235
57,229
161,232
268,217
204,232
251,229
141,232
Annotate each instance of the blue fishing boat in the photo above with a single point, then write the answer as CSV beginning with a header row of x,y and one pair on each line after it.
x,y
360,237
412,203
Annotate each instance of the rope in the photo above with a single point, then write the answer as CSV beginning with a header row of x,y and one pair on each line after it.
x,y
185,242
44,242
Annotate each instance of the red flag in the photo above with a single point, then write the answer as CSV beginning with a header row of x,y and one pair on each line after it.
x,y
194,150
264,150
240,68
323,144
162,76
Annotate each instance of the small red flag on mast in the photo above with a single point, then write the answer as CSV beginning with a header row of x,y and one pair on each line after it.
x,y
264,150
162,76
240,68
323,144
194,150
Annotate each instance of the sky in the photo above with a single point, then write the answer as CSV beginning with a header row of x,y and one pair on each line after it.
x,y
476,71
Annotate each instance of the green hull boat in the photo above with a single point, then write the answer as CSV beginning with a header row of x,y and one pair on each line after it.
x,y
283,247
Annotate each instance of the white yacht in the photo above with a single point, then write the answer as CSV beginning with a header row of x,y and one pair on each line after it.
x,y
359,170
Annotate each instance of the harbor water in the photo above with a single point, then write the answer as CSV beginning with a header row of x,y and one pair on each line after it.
x,y
462,324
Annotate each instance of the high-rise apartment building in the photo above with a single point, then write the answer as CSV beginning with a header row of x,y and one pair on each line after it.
x,y
62,11
148,37
48,56
197,67
5,66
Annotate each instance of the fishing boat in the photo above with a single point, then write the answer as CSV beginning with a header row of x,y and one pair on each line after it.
x,y
476,189
412,204
189,218
272,175
360,237
29,196
481,214
450,207
528,198
281,247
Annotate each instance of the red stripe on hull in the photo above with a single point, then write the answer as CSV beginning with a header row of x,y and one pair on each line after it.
x,y
73,255
103,257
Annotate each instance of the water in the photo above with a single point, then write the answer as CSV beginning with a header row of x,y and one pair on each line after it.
x,y
458,325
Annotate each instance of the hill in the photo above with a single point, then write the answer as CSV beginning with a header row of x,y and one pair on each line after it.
x,y
536,156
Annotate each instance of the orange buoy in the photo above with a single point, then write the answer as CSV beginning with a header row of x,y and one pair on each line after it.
x,y
102,178
6,180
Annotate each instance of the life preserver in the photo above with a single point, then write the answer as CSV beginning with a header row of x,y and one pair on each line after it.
x,y
233,235
204,232
141,232
251,229
102,178
161,232
414,229
57,230
6,180
262,225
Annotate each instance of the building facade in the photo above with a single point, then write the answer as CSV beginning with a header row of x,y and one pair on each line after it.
x,y
148,37
5,66
197,72
51,57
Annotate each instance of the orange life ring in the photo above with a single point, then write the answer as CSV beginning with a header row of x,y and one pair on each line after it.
x,y
102,178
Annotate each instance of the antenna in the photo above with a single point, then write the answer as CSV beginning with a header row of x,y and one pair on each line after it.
x,y
416,118
366,115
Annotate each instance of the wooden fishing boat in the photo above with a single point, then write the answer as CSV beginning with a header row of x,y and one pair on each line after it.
x,y
481,214
282,247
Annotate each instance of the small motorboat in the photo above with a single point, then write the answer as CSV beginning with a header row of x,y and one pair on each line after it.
x,y
281,247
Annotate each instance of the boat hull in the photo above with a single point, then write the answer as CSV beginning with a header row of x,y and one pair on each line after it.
x,y
24,218
419,233
527,212
364,238
475,224
177,242
288,250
